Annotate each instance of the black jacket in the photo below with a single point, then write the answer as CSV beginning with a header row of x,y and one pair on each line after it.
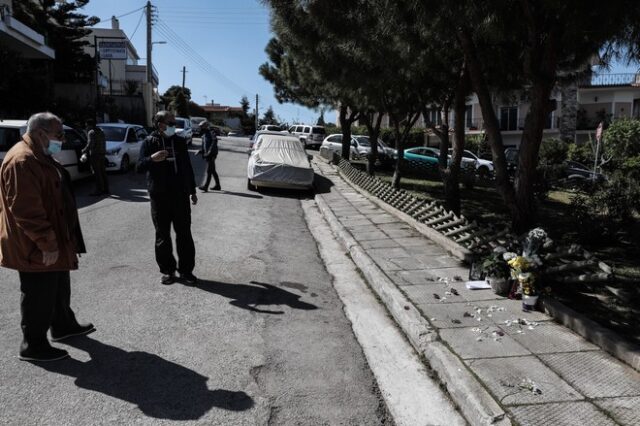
x,y
209,145
166,176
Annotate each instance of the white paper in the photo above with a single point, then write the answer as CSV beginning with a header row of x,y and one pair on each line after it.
x,y
477,285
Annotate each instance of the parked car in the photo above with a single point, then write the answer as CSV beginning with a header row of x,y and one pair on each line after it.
x,y
184,129
311,136
279,161
11,132
360,147
195,125
271,127
577,174
257,135
483,167
421,155
123,144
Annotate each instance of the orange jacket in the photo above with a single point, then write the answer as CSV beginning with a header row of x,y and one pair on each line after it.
x,y
36,214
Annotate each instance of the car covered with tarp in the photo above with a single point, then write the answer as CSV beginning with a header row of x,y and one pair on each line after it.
x,y
279,161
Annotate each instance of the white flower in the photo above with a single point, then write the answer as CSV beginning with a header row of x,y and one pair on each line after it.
x,y
507,256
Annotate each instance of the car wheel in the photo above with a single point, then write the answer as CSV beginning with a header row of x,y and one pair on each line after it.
x,y
250,186
484,174
124,164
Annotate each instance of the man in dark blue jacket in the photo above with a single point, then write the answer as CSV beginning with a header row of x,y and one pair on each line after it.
x,y
170,181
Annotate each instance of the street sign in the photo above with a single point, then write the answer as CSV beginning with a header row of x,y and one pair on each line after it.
x,y
112,49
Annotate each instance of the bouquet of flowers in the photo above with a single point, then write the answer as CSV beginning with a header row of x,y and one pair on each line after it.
x,y
524,267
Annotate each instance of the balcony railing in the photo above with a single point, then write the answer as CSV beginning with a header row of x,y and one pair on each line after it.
x,y
478,124
604,80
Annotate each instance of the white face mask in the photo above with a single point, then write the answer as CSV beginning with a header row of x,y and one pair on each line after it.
x,y
54,146
170,131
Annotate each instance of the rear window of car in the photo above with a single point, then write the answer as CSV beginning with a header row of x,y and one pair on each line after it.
x,y
318,131
180,123
114,133
8,138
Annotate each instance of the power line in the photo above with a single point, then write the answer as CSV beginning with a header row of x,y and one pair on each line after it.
x,y
194,56
124,14
137,25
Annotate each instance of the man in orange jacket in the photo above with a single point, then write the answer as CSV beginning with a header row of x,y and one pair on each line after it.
x,y
40,237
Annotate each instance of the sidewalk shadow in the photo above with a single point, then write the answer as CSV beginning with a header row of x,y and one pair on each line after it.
x,y
237,194
161,389
251,296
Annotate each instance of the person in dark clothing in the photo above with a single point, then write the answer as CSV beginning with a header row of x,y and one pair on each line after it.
x,y
96,150
40,237
170,182
209,153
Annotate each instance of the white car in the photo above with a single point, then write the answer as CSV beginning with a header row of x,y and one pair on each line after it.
x,y
11,132
184,129
360,148
255,136
484,168
279,161
123,144
311,136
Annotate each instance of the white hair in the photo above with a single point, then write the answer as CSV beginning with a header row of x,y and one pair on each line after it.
x,y
42,120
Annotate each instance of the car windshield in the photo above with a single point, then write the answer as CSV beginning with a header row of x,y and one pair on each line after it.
x,y
179,123
114,133
363,141
318,131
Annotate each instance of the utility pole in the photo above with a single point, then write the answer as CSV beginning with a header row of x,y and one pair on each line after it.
x,y
184,73
149,72
149,86
257,120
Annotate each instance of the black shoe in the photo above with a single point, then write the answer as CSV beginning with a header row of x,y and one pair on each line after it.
x,y
203,188
189,278
80,330
216,188
45,354
168,279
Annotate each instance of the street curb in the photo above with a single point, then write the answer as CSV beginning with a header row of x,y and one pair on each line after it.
x,y
606,339
453,248
477,405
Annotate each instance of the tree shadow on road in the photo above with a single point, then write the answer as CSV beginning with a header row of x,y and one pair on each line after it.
x,y
249,297
237,194
160,388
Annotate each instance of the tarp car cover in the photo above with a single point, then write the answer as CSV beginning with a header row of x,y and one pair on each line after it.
x,y
280,159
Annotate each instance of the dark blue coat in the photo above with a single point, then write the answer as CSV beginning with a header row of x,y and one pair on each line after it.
x,y
164,177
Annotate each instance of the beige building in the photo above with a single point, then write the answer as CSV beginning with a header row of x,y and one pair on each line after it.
x,y
16,36
119,74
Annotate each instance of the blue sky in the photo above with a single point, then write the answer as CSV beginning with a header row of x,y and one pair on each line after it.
x,y
228,35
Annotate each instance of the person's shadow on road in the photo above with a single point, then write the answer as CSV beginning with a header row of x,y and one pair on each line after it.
x,y
250,297
160,388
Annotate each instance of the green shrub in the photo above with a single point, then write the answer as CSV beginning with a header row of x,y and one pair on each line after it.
x,y
582,153
602,214
553,151
621,143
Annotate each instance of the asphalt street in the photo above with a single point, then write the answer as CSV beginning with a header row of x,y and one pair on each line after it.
x,y
262,339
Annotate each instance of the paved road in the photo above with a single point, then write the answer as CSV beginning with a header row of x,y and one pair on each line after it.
x,y
261,340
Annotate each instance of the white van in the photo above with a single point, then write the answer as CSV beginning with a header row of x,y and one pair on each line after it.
x,y
11,132
311,136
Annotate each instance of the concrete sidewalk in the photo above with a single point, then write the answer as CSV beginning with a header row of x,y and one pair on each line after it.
x,y
498,363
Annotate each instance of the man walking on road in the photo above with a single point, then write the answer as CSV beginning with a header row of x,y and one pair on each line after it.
x,y
40,237
209,153
170,182
96,150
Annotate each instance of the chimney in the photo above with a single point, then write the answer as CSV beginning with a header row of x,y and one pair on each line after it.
x,y
115,24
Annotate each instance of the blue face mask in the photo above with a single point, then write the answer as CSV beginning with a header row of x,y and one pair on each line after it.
x,y
54,146
170,131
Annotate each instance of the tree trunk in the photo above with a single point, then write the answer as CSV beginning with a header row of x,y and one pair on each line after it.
x,y
373,127
401,137
492,127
